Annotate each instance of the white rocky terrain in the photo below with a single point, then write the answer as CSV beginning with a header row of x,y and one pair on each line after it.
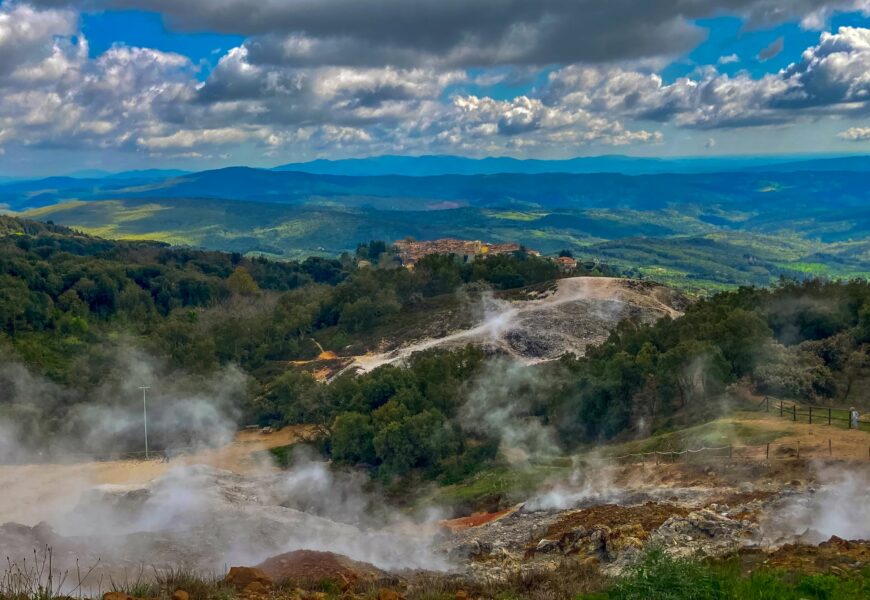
x,y
576,313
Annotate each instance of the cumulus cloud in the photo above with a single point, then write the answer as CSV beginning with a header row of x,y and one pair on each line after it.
x,y
26,36
728,59
388,76
831,77
855,134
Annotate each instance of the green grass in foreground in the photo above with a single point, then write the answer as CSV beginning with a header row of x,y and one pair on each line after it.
x,y
658,576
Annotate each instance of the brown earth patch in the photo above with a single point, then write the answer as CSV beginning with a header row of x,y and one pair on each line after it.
x,y
649,516
309,566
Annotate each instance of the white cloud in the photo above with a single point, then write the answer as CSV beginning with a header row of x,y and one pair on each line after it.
x,y
196,138
832,77
728,59
27,34
855,134
138,99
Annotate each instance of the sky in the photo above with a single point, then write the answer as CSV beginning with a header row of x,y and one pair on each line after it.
x,y
193,84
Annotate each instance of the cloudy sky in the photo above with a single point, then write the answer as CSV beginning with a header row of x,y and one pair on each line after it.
x,y
120,84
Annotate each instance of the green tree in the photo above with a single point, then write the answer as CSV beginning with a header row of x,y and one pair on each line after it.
x,y
352,439
241,282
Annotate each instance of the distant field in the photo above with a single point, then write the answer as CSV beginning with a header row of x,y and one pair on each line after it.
x,y
697,232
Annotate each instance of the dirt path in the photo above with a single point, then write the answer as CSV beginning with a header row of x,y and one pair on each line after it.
x,y
35,492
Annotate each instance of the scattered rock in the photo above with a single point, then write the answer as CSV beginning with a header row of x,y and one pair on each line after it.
x,y
836,542
705,533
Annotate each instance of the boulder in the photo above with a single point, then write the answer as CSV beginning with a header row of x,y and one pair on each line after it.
x,y
548,546
242,577
388,594
255,589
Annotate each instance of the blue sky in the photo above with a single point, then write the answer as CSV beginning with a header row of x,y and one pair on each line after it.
x,y
207,83
147,29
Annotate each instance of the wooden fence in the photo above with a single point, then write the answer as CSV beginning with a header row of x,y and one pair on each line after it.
x,y
814,415
799,449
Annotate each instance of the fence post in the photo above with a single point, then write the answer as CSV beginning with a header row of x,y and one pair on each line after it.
x,y
799,449
794,412
829,416
780,408
767,403
811,414
830,448
767,453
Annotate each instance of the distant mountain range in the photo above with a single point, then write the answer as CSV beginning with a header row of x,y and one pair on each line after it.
x,y
434,165
421,166
746,189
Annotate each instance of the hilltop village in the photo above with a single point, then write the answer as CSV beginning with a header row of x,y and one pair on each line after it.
x,y
411,251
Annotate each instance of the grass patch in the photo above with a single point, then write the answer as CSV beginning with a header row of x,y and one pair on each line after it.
x,y
499,485
721,432
658,575
282,455
513,215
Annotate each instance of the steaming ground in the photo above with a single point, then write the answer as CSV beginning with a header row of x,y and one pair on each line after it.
x,y
580,312
40,491
239,510
197,516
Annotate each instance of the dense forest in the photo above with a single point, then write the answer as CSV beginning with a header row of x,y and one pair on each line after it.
x,y
63,293
802,340
72,306
68,300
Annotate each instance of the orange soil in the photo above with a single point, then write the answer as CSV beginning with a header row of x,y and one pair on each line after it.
x,y
476,520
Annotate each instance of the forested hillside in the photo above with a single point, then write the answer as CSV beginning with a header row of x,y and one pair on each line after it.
x,y
445,413
65,293
70,302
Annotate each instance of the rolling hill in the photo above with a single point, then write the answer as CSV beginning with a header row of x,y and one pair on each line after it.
x,y
698,231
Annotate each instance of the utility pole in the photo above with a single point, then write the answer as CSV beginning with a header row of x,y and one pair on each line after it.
x,y
144,388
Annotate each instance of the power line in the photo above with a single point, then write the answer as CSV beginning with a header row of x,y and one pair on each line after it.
x,y
144,388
